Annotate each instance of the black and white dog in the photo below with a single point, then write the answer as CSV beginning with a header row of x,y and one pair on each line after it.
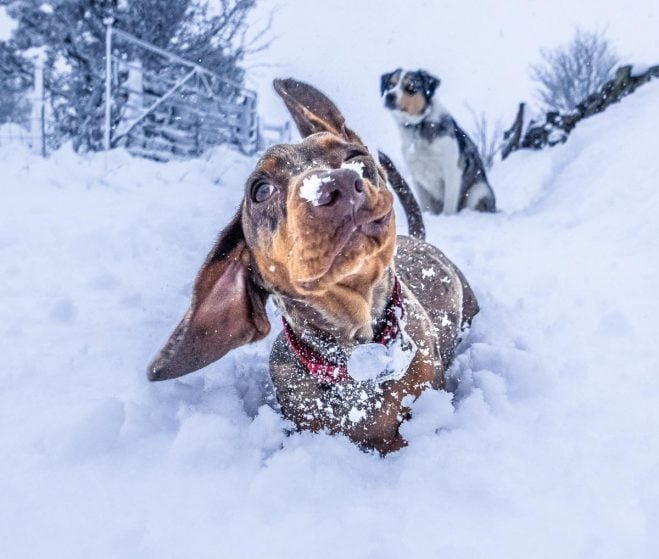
x,y
447,172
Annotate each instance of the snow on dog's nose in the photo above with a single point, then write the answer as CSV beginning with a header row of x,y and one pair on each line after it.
x,y
333,194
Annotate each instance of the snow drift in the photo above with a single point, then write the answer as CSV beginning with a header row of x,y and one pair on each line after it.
x,y
546,444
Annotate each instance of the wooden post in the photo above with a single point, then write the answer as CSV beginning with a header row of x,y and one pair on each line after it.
x,y
108,84
514,135
38,122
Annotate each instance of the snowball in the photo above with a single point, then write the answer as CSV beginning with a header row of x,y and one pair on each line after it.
x,y
378,362
368,361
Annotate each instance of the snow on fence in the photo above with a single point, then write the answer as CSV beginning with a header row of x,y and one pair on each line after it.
x,y
271,134
173,110
37,134
157,105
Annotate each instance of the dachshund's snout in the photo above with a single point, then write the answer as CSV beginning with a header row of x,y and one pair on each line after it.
x,y
340,193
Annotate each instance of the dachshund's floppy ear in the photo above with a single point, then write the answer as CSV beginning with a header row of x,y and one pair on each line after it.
x,y
227,310
312,111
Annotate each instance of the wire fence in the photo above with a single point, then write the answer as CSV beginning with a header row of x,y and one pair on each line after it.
x,y
162,106
157,105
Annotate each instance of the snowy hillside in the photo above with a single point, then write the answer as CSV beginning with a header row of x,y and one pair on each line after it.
x,y
550,447
480,50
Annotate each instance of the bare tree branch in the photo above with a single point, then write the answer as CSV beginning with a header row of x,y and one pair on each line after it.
x,y
488,140
569,74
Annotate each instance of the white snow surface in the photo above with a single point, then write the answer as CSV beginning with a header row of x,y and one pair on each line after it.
x,y
546,444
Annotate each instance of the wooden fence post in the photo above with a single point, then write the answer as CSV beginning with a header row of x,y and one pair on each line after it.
x,y
38,121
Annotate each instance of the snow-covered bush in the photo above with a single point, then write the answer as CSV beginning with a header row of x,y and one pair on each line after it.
x,y
488,138
73,34
14,82
569,74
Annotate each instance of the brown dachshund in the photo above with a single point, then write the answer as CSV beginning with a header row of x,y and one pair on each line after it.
x,y
370,320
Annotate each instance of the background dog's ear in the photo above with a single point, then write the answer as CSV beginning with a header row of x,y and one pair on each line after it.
x,y
430,83
385,80
227,310
312,111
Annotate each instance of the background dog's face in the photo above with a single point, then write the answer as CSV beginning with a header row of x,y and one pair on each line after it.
x,y
408,93
316,226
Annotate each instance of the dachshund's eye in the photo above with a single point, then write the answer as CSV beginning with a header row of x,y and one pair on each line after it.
x,y
354,153
261,191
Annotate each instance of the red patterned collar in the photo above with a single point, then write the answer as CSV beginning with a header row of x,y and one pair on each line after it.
x,y
330,372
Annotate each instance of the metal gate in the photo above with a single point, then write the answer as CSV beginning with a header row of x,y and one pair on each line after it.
x,y
162,106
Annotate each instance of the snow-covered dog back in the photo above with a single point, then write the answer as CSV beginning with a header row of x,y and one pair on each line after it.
x,y
447,172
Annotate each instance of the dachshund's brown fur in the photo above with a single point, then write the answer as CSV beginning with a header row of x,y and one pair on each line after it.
x,y
331,270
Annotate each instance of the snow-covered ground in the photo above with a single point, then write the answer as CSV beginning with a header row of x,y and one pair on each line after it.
x,y
547,446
